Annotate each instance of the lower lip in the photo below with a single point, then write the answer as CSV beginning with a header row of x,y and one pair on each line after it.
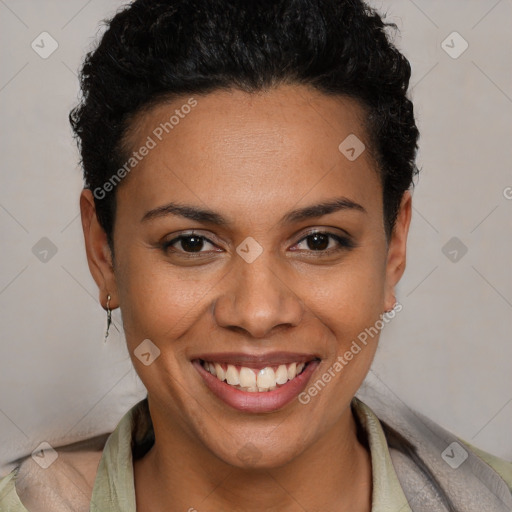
x,y
264,401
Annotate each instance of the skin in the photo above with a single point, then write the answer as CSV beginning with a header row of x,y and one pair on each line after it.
x,y
251,158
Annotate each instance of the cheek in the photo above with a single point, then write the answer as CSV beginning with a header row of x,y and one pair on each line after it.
x,y
156,302
160,307
349,308
349,297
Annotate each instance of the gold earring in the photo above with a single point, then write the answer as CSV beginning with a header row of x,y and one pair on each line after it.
x,y
109,317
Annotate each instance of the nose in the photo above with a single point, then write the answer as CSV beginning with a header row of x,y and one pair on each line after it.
x,y
257,299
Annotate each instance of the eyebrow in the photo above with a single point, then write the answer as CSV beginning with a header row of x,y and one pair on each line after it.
x,y
210,217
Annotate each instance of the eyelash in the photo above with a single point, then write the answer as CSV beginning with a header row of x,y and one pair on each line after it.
x,y
345,243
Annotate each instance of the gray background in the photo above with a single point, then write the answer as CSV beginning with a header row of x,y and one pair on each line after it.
x,y
446,354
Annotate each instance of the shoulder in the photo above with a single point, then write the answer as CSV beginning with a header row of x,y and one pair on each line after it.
x,y
62,480
501,466
9,501
419,447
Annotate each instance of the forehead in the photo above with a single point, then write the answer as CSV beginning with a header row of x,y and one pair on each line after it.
x,y
232,148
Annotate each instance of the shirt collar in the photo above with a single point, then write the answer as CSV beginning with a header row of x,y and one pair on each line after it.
x,y
114,488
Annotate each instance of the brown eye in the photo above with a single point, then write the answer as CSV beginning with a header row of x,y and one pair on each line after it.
x,y
188,243
320,242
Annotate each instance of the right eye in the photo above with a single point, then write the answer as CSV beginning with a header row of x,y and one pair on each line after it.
x,y
190,244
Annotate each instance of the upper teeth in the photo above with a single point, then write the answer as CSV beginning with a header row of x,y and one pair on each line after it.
x,y
249,379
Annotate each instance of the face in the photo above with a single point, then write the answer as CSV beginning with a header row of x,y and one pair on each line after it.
x,y
226,263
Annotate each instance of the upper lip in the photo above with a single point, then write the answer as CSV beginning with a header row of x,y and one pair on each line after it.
x,y
257,360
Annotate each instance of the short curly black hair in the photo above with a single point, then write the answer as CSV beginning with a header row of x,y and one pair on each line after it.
x,y
154,50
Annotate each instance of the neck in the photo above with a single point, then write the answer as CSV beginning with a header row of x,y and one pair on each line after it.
x,y
333,474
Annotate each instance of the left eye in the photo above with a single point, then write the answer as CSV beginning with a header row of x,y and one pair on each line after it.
x,y
320,242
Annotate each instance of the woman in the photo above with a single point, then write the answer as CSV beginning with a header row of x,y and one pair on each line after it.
x,y
247,205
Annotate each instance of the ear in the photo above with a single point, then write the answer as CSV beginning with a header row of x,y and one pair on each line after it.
x,y
397,248
99,256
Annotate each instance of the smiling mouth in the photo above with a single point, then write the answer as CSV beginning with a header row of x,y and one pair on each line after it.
x,y
254,380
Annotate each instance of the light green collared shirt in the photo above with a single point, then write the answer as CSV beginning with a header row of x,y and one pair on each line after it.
x,y
114,491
